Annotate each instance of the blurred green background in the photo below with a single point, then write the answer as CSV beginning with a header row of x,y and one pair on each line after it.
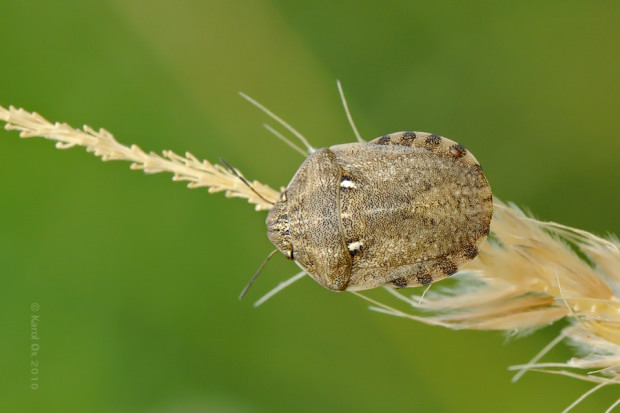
x,y
137,277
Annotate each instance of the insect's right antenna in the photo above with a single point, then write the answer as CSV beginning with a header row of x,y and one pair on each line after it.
x,y
247,287
280,121
346,109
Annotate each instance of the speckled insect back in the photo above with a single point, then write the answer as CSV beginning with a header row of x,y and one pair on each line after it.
x,y
405,209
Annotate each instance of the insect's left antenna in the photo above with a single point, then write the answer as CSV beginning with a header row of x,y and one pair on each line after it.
x,y
280,121
349,117
245,181
285,140
255,276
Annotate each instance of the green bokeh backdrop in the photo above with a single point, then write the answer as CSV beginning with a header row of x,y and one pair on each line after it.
x,y
137,277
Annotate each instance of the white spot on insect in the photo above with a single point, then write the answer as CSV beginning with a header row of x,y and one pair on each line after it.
x,y
347,183
354,246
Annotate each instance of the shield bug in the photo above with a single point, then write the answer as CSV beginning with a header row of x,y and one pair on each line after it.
x,y
405,209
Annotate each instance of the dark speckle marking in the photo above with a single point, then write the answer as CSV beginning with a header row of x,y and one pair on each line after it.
x,y
477,167
403,138
408,137
433,140
457,151
400,283
427,186
384,140
470,252
448,267
424,279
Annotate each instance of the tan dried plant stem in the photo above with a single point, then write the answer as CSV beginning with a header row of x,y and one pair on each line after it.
x,y
184,168
528,275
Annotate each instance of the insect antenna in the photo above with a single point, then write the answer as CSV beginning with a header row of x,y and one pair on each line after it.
x,y
286,140
346,109
247,287
279,288
245,181
280,121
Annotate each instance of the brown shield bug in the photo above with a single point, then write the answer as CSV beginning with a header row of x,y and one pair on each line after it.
x,y
405,209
